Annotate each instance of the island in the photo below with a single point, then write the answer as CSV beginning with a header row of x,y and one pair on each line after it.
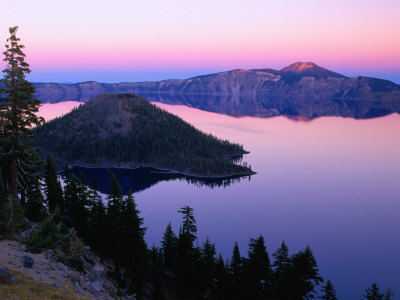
x,y
127,131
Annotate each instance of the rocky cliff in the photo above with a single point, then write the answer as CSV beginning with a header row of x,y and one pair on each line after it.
x,y
301,89
48,278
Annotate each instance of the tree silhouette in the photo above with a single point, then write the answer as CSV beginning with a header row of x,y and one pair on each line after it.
x,y
281,271
189,227
187,259
329,292
236,273
389,295
304,274
53,188
169,248
17,116
373,293
98,225
258,270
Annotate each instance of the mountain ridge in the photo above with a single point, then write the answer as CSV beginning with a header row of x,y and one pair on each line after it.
x,y
301,89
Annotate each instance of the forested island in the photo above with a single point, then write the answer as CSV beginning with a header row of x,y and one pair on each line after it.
x,y
125,130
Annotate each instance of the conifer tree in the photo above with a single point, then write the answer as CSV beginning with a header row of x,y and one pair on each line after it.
x,y
115,208
186,266
11,216
189,227
281,266
281,259
34,210
75,198
389,295
258,270
133,249
114,197
17,116
156,274
304,275
221,290
53,188
208,265
329,292
208,253
98,225
236,273
169,248
373,292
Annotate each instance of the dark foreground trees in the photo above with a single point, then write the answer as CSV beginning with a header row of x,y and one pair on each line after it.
x,y
195,272
19,161
181,268
373,293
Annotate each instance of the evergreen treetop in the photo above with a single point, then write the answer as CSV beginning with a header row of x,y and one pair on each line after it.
x,y
17,116
189,227
329,292
373,293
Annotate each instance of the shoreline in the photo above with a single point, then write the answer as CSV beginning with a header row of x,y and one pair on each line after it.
x,y
167,171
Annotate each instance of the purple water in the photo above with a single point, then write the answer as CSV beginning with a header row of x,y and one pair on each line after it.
x,y
332,183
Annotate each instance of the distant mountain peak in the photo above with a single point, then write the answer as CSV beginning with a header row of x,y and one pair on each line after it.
x,y
300,66
239,71
308,69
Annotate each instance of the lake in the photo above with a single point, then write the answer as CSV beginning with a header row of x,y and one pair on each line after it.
x,y
332,183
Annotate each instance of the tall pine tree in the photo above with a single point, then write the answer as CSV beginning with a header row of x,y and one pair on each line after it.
x,y
53,188
236,273
18,109
281,266
98,225
186,266
133,249
258,270
75,198
304,275
169,248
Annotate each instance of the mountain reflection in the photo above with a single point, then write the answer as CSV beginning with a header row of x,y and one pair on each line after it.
x,y
303,109
140,179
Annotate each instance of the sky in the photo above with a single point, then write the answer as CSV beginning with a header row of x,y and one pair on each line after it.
x,y
139,40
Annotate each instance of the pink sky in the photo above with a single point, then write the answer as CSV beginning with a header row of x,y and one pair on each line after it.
x,y
129,40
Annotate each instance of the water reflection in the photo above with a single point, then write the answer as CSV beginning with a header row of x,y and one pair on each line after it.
x,y
140,179
301,109
332,183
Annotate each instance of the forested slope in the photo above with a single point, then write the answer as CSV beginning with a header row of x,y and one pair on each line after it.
x,y
126,131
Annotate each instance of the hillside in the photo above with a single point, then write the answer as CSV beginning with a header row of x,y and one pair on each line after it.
x,y
124,130
301,89
50,279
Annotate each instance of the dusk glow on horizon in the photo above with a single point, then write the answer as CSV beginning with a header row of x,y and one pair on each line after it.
x,y
153,40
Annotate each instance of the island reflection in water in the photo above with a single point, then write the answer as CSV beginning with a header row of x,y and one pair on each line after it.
x,y
331,183
142,178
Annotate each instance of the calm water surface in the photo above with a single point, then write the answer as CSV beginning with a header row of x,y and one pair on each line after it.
x,y
331,183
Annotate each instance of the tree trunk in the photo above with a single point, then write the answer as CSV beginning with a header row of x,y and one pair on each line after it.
x,y
14,183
